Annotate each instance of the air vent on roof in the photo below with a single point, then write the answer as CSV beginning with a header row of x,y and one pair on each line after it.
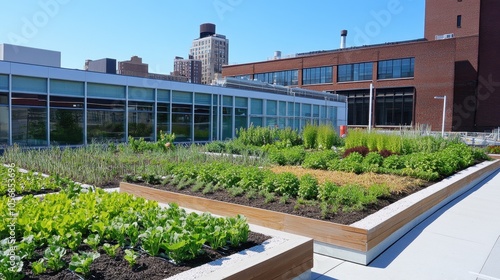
x,y
445,36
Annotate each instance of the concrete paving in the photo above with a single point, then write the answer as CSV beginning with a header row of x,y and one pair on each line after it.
x,y
459,241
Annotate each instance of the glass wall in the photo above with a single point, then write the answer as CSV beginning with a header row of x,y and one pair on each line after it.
x,y
29,119
355,72
182,114
282,114
162,112
318,75
140,120
240,112
283,78
357,106
202,116
66,120
271,113
227,117
257,111
394,106
396,68
4,118
105,120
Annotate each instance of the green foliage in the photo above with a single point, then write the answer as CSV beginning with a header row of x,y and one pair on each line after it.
x,y
111,250
352,163
11,265
80,263
318,160
309,136
53,255
287,183
164,143
493,149
38,267
257,135
308,188
93,240
131,257
327,137
327,191
287,156
152,238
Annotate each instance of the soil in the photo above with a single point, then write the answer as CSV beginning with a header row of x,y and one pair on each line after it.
x,y
147,267
309,209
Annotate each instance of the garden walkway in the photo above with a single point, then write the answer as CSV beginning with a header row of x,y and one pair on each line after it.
x,y
459,241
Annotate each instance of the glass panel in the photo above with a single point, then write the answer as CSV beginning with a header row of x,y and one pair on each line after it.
x,y
316,111
31,84
202,123
227,101
141,93
140,124
104,90
256,121
29,126
29,99
4,125
290,109
163,95
163,123
240,121
181,122
306,110
182,97
297,109
140,106
105,126
282,108
66,102
202,98
4,82
4,98
66,126
67,87
271,107
241,102
272,122
256,105
227,127
118,105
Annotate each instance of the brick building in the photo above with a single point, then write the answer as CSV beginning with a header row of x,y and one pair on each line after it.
x,y
456,59
189,68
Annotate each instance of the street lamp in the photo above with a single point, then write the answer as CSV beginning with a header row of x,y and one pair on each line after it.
x,y
444,112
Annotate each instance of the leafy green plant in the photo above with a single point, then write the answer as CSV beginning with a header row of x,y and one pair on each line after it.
x,y
318,160
287,183
38,267
27,247
309,136
308,188
80,263
93,240
327,137
151,239
111,250
11,266
131,257
53,255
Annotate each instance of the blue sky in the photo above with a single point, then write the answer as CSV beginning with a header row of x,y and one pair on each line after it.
x,y
159,30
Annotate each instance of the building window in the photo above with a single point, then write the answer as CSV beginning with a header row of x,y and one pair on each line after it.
x,y
283,78
140,120
396,68
105,120
459,21
357,106
29,119
394,106
319,75
4,117
66,120
355,72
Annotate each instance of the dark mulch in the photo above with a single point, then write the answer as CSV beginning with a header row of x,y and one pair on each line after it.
x,y
308,209
147,267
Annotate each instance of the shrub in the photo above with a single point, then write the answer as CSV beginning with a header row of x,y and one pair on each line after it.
x,y
318,160
251,178
257,135
287,156
289,136
327,191
308,188
379,191
362,150
216,147
386,153
352,163
373,158
309,136
493,149
287,183
393,162
326,137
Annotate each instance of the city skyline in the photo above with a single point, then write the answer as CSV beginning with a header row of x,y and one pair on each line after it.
x,y
159,31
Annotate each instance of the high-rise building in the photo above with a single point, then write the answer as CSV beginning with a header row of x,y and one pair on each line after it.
x,y
133,67
104,65
212,49
189,68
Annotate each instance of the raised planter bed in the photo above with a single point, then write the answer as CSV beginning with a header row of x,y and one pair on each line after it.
x,y
360,242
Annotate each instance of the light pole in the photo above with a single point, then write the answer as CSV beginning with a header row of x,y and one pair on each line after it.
x,y
444,112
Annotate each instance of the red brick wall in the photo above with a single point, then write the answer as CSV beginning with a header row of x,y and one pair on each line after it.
x,y
488,101
441,17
